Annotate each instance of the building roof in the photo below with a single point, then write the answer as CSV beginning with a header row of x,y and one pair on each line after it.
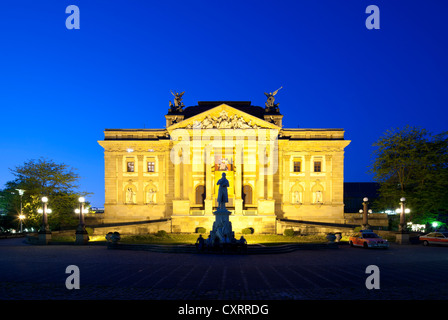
x,y
245,106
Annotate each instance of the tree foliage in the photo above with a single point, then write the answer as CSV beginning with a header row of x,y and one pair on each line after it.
x,y
43,177
412,163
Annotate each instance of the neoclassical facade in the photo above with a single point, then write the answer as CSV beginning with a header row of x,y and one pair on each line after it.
x,y
274,172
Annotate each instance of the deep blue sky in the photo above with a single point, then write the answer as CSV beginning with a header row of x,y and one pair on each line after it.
x,y
60,88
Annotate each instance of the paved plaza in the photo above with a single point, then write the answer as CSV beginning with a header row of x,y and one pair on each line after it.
x,y
29,272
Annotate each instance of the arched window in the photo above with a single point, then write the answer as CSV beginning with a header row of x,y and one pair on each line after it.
x,y
247,194
200,194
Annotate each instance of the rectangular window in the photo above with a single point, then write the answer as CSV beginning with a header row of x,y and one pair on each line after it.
x,y
130,166
297,166
317,166
151,166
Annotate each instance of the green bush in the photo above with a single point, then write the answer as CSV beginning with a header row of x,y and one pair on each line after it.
x,y
288,232
248,231
201,230
161,233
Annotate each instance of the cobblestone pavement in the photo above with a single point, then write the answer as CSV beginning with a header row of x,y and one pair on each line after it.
x,y
38,272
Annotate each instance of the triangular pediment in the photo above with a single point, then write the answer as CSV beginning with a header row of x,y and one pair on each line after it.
x,y
223,117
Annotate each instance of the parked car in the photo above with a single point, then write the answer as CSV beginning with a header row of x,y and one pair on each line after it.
x,y
368,239
435,238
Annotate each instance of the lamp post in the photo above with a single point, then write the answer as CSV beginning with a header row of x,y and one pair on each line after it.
x,y
21,216
365,219
82,236
402,234
44,231
402,225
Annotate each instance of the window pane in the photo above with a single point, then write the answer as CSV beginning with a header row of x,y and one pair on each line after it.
x,y
297,166
151,167
130,166
317,166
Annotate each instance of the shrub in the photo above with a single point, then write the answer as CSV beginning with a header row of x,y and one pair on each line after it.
x,y
248,231
200,230
289,232
161,233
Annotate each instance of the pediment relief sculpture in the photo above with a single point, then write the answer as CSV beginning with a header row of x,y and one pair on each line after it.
x,y
223,121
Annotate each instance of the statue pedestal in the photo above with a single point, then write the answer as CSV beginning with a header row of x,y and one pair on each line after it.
x,y
402,238
44,237
222,227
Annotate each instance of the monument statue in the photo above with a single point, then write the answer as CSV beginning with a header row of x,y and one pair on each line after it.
x,y
222,227
270,102
178,104
223,197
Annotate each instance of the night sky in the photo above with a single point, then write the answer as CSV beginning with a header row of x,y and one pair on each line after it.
x,y
60,88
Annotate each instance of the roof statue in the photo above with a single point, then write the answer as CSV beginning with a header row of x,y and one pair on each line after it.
x,y
270,106
178,104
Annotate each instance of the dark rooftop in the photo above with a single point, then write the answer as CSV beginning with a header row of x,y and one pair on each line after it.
x,y
245,106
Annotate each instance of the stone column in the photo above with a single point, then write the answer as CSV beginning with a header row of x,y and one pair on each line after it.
x,y
208,202
267,206
307,197
140,191
177,180
238,179
270,176
261,175
119,166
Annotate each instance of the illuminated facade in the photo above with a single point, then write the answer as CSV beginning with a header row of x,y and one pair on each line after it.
x,y
274,172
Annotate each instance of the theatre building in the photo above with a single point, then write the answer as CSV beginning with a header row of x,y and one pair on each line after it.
x,y
169,175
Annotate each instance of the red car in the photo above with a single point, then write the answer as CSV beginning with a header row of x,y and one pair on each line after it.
x,y
368,239
435,238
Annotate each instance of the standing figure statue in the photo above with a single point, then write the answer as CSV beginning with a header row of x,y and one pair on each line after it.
x,y
270,102
178,104
223,197
222,227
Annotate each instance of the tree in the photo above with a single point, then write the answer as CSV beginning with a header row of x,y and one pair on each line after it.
x,y
43,177
412,163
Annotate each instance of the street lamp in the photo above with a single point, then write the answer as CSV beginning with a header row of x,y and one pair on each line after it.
x,y
44,231
82,236
365,211
21,192
402,235
402,225
21,217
